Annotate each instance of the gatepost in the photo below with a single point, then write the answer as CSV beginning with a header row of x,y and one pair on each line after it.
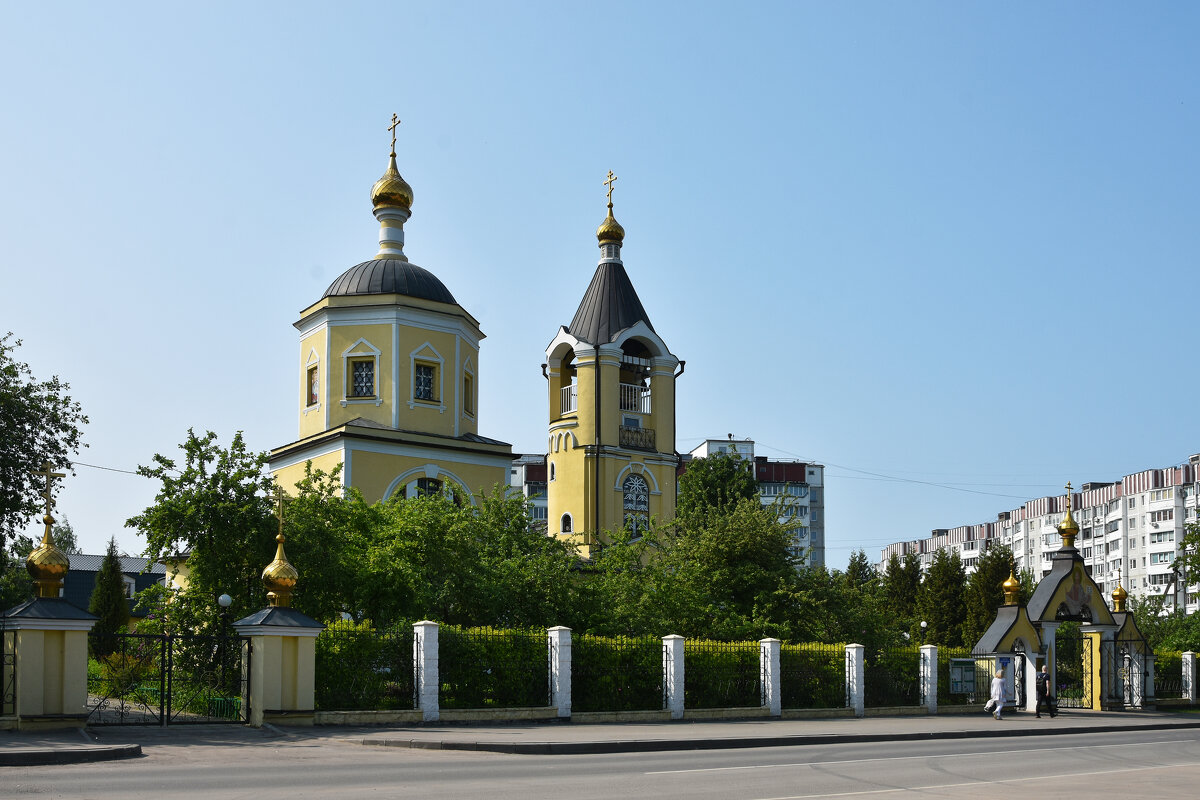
x,y
425,656
558,639
282,651
49,643
855,677
929,677
768,654
1189,677
673,674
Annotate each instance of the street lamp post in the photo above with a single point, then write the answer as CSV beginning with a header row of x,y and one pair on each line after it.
x,y
924,626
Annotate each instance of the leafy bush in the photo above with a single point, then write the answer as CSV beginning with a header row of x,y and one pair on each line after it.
x,y
616,673
893,677
1168,674
359,667
813,675
489,668
721,674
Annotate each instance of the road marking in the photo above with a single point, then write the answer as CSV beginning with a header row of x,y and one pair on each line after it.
x,y
1123,746
976,783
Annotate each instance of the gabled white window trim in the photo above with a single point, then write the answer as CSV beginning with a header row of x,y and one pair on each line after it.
x,y
360,349
422,354
314,360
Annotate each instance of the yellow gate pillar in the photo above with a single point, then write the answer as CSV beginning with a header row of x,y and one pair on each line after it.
x,y
281,658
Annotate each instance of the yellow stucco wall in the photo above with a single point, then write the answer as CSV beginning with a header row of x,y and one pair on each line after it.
x,y
52,670
288,476
373,473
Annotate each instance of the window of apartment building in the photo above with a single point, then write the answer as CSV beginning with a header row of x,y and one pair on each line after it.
x,y
1133,502
1114,547
1046,556
1166,515
1132,542
1133,563
1133,522
813,516
1113,526
1162,494
1162,558
1160,580
1158,537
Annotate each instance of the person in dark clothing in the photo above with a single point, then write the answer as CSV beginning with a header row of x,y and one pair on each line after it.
x,y
1043,694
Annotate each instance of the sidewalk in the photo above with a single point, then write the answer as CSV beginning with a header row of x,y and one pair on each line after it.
x,y
104,743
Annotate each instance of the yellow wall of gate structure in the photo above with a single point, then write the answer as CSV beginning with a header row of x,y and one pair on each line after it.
x,y
282,677
1093,667
52,665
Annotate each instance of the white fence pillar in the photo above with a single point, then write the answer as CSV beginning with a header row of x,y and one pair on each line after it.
x,y
425,661
929,677
673,674
1189,677
768,655
1146,700
559,641
855,678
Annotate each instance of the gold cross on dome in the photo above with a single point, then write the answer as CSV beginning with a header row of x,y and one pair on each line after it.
x,y
395,124
49,474
609,181
278,495
1068,490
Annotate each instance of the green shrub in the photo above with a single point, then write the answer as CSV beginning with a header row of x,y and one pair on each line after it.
x,y
812,675
616,673
361,668
721,674
490,668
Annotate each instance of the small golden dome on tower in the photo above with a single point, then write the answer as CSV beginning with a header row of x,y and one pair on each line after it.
x,y
1119,597
1068,528
47,565
280,578
1012,589
610,230
391,190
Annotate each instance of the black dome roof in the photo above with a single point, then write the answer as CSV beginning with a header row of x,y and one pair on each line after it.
x,y
390,276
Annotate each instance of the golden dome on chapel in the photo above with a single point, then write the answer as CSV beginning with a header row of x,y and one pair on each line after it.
x,y
279,577
1012,589
47,565
391,190
610,230
1119,597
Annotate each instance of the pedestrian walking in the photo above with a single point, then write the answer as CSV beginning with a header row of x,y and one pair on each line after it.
x,y
996,704
1043,694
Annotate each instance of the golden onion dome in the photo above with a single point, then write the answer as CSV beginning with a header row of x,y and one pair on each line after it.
x,y
1068,528
391,190
610,230
1119,597
280,577
1012,589
47,565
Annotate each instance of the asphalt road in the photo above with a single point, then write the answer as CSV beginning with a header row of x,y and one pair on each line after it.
x,y
1162,764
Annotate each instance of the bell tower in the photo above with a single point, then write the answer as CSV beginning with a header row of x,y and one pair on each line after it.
x,y
611,456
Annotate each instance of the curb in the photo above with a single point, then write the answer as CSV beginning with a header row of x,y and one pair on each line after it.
x,y
666,745
76,755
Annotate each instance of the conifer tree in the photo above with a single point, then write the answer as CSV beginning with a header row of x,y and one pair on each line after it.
x,y
900,586
940,602
108,602
984,592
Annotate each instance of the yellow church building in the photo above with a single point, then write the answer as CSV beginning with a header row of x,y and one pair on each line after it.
x,y
388,375
611,459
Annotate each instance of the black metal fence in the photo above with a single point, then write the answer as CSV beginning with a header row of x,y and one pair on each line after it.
x,y
487,668
616,674
159,679
721,675
8,673
812,675
361,668
1168,674
892,677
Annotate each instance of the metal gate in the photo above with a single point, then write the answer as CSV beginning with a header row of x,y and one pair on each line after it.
x,y
1133,678
161,679
1074,656
8,672
1018,699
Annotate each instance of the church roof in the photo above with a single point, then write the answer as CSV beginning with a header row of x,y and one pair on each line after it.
x,y
609,306
390,276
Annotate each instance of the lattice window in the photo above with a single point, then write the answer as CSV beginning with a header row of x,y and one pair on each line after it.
x,y
423,382
636,504
362,377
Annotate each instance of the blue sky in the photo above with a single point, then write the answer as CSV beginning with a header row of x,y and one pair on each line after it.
x,y
942,242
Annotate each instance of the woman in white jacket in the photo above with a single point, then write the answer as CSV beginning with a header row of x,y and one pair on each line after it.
x,y
997,693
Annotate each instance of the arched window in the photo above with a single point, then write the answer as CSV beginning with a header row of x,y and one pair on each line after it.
x,y
636,503
551,470
422,487
564,525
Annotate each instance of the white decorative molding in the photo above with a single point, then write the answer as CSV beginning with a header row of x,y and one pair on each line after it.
x,y
639,468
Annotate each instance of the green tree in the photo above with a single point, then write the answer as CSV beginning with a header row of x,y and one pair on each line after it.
x,y
860,575
984,592
39,423
108,602
900,587
213,508
717,482
940,601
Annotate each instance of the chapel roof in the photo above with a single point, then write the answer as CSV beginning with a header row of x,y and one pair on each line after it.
x,y
390,276
609,306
